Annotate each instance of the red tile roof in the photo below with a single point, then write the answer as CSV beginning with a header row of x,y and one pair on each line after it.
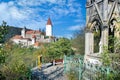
x,y
33,32
20,37
49,22
17,37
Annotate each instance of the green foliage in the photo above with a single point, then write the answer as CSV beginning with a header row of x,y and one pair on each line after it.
x,y
2,56
111,44
18,62
3,31
117,45
105,57
63,46
112,60
72,75
21,53
96,41
46,37
17,71
58,49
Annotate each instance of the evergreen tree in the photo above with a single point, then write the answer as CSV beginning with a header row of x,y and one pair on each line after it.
x,y
3,31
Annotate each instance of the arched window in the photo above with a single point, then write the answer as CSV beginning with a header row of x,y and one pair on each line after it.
x,y
111,36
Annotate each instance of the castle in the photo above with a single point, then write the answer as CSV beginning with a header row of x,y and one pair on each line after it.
x,y
35,37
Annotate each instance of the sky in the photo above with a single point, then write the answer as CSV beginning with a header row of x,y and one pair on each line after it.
x,y
67,16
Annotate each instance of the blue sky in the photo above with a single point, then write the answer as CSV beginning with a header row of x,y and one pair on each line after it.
x,y
67,15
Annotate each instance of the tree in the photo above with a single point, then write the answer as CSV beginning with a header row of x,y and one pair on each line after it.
x,y
78,41
63,46
3,31
105,57
2,55
58,49
18,62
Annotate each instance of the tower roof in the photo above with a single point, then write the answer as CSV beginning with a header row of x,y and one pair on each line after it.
x,y
49,22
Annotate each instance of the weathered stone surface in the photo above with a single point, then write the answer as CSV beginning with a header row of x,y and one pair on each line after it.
x,y
103,15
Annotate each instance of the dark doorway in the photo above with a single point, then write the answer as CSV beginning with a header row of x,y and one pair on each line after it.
x,y
111,39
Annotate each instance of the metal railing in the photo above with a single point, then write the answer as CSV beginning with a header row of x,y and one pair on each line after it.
x,y
88,71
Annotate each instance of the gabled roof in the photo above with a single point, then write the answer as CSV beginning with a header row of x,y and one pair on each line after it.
x,y
20,37
17,37
33,32
49,22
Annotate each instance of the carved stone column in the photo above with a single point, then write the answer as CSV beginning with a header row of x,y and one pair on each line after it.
x,y
89,42
104,37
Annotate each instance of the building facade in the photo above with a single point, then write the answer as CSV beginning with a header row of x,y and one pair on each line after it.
x,y
35,37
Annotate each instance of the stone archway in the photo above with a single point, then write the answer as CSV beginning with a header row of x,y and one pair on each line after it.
x,y
113,33
96,30
93,37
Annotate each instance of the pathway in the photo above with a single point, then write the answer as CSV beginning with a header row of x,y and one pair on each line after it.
x,y
48,73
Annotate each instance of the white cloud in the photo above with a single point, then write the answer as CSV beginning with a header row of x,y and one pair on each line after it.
x,y
61,7
16,14
34,24
9,11
20,17
38,2
27,13
76,27
69,36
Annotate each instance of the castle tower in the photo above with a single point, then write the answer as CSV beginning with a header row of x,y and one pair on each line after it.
x,y
23,32
49,28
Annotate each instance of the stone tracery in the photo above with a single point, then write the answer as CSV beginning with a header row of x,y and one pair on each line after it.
x,y
104,23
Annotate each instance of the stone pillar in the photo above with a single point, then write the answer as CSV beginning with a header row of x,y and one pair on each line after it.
x,y
89,42
89,45
104,37
105,10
